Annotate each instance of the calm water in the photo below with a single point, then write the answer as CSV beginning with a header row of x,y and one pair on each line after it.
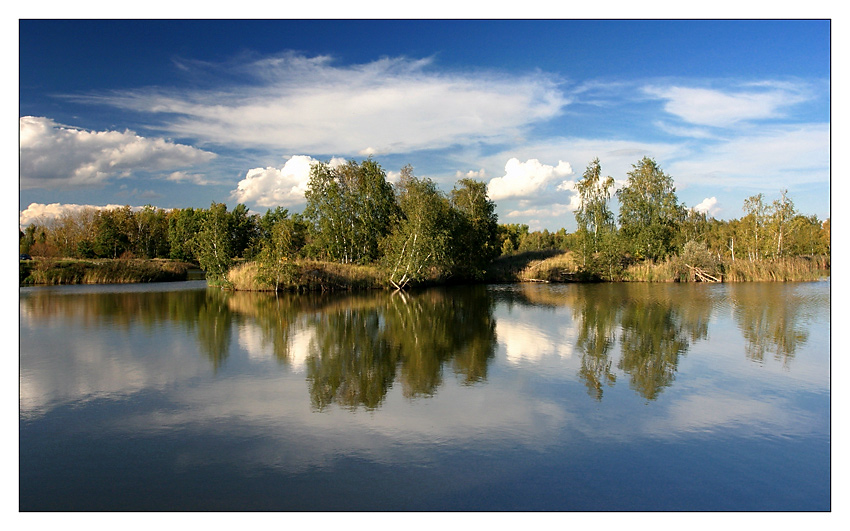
x,y
519,397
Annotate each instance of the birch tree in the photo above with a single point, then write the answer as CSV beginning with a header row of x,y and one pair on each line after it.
x,y
420,242
649,211
593,217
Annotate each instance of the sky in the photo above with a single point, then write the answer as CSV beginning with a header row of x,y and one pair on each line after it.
x,y
182,113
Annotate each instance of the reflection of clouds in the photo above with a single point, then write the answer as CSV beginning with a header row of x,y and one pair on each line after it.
x,y
253,342
66,358
526,342
287,432
706,413
259,347
299,348
56,370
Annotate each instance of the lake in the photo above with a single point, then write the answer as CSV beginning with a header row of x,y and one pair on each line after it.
x,y
522,397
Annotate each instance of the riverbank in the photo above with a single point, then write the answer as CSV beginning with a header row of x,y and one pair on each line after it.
x,y
311,275
50,271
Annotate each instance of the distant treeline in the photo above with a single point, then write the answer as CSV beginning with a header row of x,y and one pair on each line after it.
x,y
414,232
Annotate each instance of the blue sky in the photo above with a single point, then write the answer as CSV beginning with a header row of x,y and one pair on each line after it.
x,y
182,113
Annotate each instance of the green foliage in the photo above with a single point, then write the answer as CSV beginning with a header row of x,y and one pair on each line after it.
x,y
276,259
649,211
113,228
420,243
350,209
476,230
595,221
214,244
183,224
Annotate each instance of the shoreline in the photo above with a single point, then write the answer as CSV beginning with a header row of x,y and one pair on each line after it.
x,y
311,275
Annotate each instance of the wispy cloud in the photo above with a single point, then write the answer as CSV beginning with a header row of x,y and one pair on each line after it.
x,y
726,108
54,155
311,105
770,159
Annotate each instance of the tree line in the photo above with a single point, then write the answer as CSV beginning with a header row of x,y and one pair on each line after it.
x,y
414,231
353,215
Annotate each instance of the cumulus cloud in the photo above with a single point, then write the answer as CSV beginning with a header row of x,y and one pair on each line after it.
x,y
43,214
59,155
524,179
471,174
285,186
708,206
311,105
724,109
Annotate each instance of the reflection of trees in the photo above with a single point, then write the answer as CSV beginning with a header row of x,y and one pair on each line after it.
x,y
596,317
350,361
358,349
651,342
214,328
657,325
274,315
770,319
360,342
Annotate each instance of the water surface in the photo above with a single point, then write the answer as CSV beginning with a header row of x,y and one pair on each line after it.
x,y
516,397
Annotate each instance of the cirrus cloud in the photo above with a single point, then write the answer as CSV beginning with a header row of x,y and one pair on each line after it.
x,y
310,105
717,108
59,155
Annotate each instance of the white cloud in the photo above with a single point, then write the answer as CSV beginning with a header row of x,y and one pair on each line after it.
x,y
708,206
270,187
58,155
472,174
309,105
525,342
43,214
775,158
724,109
524,179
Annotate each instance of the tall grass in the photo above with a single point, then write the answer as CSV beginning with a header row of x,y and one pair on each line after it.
x,y
55,272
536,266
790,269
310,275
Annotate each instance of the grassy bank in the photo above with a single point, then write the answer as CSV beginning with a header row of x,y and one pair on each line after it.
x,y
553,266
537,266
70,271
793,269
309,275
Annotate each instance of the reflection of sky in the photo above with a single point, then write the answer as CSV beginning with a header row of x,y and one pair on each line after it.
x,y
259,348
532,397
537,338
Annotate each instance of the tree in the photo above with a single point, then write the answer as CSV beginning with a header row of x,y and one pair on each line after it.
x,y
350,208
421,238
150,238
476,231
183,225
244,230
511,235
781,214
213,242
753,225
649,211
278,250
593,217
112,232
